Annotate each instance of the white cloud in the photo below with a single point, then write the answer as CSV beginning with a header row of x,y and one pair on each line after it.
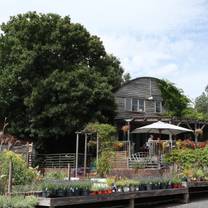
x,y
163,38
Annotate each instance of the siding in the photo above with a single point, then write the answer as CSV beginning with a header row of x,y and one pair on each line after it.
x,y
138,88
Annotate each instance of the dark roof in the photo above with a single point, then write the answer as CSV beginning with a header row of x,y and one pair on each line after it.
x,y
132,80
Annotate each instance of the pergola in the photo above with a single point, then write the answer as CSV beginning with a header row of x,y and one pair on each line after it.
x,y
86,135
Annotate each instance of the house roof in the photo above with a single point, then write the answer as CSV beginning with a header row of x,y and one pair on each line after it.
x,y
138,78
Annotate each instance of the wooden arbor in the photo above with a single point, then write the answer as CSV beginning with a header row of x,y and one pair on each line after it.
x,y
86,136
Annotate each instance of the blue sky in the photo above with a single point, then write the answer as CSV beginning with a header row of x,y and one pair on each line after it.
x,y
162,38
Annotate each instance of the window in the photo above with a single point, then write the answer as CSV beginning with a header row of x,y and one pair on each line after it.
x,y
158,106
128,104
134,105
141,105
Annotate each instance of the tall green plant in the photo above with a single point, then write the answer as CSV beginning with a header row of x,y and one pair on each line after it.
x,y
21,173
174,100
106,135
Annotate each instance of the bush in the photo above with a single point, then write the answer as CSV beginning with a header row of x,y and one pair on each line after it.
x,y
18,202
21,173
104,162
55,175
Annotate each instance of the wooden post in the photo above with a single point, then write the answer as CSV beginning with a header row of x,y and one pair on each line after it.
x,y
186,198
77,154
10,178
27,156
196,137
97,154
85,154
131,203
69,172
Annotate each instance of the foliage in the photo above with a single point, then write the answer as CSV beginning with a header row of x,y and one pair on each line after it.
x,y
201,104
126,77
21,173
18,202
188,160
57,175
174,100
105,132
54,76
193,113
103,165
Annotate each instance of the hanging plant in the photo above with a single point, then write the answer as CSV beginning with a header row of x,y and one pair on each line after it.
x,y
125,128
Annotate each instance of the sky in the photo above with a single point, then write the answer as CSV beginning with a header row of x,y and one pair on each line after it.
x,y
166,39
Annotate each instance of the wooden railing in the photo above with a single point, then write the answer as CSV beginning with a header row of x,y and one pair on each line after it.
x,y
53,160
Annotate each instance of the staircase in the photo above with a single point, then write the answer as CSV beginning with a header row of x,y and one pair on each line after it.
x,y
120,160
146,165
143,160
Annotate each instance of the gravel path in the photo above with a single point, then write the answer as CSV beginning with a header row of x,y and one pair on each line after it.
x,y
196,204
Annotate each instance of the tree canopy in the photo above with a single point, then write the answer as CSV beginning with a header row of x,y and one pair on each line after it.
x,y
201,103
174,100
54,76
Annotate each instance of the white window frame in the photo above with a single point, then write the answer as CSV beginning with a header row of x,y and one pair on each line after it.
x,y
131,105
138,110
125,100
156,106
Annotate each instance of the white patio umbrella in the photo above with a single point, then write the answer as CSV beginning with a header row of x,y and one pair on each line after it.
x,y
161,128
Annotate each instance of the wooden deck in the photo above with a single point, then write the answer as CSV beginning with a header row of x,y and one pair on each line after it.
x,y
131,196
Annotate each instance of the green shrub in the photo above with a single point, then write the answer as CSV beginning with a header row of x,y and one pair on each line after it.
x,y
57,175
104,163
21,173
18,202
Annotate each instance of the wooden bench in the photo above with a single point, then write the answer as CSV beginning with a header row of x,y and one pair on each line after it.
x,y
130,196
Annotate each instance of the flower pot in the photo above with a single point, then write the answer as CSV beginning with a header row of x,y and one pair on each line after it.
x,y
100,192
120,189
142,187
76,192
46,194
49,193
137,188
149,187
69,192
85,192
126,189
60,193
132,188
109,191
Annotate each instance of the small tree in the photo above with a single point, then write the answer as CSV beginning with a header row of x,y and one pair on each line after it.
x,y
106,134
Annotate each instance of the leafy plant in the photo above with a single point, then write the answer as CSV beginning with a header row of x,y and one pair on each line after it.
x,y
55,175
21,173
18,202
174,100
103,165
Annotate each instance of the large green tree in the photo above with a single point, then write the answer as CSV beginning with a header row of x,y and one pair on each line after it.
x,y
54,76
175,101
201,103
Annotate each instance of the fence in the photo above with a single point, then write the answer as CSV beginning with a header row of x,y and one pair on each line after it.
x,y
58,160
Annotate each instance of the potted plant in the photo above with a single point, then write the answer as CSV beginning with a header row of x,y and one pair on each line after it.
x,y
48,189
60,189
176,183
120,185
85,187
69,189
133,184
126,187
